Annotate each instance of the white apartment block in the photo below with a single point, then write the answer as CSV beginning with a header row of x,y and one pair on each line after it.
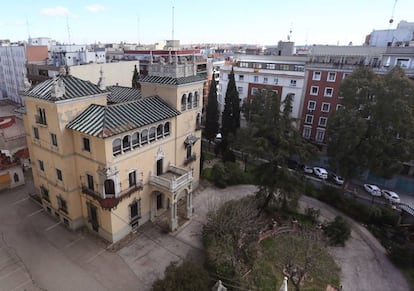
x,y
70,55
12,72
284,74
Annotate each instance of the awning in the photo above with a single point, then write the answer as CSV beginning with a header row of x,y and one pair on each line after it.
x,y
191,139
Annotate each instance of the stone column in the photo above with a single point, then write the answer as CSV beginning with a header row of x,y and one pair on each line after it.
x,y
173,216
189,213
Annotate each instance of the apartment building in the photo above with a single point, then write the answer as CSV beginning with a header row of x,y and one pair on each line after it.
x,y
282,74
327,68
110,162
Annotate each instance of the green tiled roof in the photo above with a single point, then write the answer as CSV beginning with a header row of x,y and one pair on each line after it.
x,y
74,88
105,121
172,81
121,94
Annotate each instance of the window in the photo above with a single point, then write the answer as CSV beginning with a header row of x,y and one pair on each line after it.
x,y
195,100
41,116
132,177
255,78
270,66
316,76
257,65
403,63
241,77
183,102
306,132
54,139
62,204
109,186
311,105
254,91
89,179
275,81
41,166
159,131
45,193
244,65
167,129
339,106
135,140
144,137
152,133
59,175
325,107
293,83
86,144
309,119
314,90
135,210
116,147
328,92
240,90
331,77
322,121
265,80
189,100
189,151
36,132
320,135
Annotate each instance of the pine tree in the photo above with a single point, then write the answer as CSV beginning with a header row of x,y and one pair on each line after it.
x,y
135,79
230,120
212,116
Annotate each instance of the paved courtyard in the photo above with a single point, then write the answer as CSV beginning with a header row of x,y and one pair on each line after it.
x,y
37,253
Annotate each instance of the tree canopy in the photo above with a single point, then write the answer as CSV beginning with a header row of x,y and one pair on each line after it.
x,y
375,130
274,140
230,120
212,116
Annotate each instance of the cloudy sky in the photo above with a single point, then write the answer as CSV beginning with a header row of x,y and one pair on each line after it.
x,y
214,21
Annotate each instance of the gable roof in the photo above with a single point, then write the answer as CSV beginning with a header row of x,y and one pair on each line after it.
x,y
121,94
172,81
74,88
105,121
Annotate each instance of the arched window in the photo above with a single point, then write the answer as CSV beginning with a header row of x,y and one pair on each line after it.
x,y
159,131
167,129
195,101
126,143
116,147
109,188
152,134
135,140
189,100
183,102
144,137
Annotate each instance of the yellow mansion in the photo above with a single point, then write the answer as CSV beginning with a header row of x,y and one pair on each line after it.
x,y
113,158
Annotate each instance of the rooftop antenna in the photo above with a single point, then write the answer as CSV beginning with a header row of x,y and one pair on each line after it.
x,y
28,28
290,33
68,28
138,34
392,15
172,31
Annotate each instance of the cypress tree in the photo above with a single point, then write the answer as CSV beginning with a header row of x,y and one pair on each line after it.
x,y
231,113
135,79
212,116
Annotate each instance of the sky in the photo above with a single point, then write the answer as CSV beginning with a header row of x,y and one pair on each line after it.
x,y
260,22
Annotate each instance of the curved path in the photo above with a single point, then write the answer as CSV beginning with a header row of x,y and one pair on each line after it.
x,y
363,261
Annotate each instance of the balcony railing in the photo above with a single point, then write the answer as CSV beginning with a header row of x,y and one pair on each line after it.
x,y
174,179
113,201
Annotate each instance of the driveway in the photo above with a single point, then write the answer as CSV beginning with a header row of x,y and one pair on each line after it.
x,y
363,261
37,253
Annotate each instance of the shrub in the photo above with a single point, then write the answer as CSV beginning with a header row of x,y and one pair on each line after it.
x,y
186,277
338,231
219,175
403,254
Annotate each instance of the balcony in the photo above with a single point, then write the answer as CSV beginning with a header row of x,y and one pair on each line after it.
x,y
174,179
190,159
113,201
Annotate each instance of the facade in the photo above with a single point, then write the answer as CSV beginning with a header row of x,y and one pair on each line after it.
x,y
326,69
114,167
283,74
12,72
70,55
402,36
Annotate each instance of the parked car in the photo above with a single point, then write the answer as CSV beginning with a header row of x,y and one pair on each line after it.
x,y
337,179
307,169
218,138
320,173
374,190
390,196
